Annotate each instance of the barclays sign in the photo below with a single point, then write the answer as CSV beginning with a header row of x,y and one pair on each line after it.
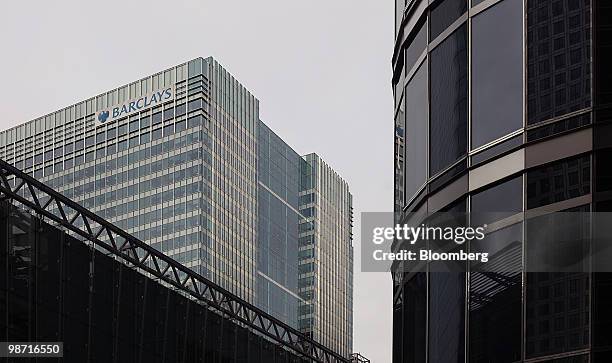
x,y
134,105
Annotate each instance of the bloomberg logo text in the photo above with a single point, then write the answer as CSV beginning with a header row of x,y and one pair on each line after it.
x,y
135,105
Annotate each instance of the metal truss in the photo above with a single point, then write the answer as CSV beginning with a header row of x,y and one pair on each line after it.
x,y
20,187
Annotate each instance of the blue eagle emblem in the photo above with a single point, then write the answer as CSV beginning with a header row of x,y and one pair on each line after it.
x,y
102,116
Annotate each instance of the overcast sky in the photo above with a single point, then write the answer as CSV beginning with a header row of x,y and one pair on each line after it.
x,y
320,68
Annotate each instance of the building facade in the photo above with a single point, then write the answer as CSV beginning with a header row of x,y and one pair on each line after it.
x,y
327,207
502,106
57,288
181,160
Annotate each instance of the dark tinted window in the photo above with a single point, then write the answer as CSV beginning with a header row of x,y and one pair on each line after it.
x,y
448,110
181,109
558,58
444,14
446,317
416,47
498,202
168,114
414,313
195,104
558,181
603,172
495,299
416,132
157,118
557,313
497,69
89,141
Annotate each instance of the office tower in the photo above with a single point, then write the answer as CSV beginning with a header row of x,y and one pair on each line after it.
x,y
502,106
177,159
305,219
327,205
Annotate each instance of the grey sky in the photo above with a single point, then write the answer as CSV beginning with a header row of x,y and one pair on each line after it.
x,y
320,68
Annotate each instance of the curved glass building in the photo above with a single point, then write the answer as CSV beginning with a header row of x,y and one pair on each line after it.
x,y
502,106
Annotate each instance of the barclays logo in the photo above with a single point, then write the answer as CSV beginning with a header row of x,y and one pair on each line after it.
x,y
102,116
135,105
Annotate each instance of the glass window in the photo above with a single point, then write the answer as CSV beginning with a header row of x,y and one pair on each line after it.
x,y
498,202
168,130
444,14
497,72
133,141
123,129
558,181
399,13
145,121
448,110
180,126
89,156
195,105
495,298
145,137
101,152
89,141
111,149
446,317
157,134
168,114
78,160
134,126
100,137
181,109
122,145
416,47
78,145
112,133
413,313
603,158
416,132
559,81
558,284
194,121
157,118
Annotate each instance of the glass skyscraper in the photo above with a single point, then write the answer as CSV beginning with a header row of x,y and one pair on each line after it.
x,y
181,160
502,106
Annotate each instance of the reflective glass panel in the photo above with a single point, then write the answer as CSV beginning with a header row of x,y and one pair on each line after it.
x,y
448,108
416,132
497,69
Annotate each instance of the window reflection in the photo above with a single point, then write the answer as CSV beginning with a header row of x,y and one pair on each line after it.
x,y
497,72
448,109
